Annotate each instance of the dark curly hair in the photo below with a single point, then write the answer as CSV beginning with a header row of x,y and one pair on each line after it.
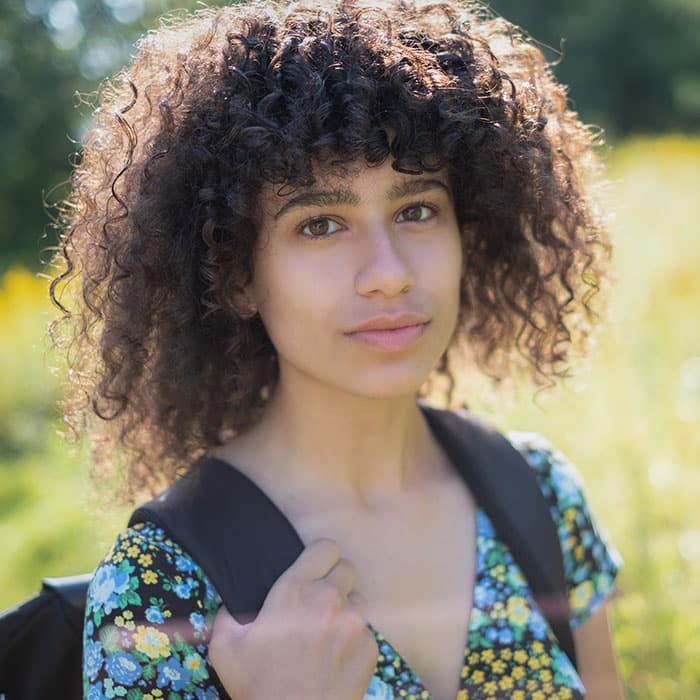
x,y
158,234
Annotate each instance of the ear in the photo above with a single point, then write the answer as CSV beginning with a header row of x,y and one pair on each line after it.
x,y
243,302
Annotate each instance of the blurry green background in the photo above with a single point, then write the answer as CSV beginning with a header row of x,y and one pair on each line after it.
x,y
630,418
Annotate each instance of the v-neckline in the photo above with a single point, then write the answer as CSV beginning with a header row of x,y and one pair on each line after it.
x,y
479,572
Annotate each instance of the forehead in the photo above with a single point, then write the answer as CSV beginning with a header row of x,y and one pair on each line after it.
x,y
345,181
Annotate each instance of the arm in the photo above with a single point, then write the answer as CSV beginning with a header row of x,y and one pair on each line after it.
x,y
596,657
148,620
591,564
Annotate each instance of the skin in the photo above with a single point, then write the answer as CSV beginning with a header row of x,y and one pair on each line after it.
x,y
369,242
339,401
596,657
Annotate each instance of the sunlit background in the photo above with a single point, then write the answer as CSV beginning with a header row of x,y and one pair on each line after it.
x,y
629,418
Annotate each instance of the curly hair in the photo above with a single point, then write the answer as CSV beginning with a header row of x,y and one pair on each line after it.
x,y
159,231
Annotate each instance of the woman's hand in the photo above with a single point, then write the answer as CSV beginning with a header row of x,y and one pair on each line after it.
x,y
309,641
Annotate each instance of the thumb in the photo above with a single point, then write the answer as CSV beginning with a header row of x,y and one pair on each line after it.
x,y
227,627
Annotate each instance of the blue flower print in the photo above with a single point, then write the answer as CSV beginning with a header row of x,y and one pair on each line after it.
x,y
154,615
172,673
93,659
208,694
95,692
505,636
484,596
123,668
185,564
107,584
566,484
378,690
112,691
537,625
197,621
483,524
183,589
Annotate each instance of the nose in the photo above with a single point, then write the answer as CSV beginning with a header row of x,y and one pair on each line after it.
x,y
385,269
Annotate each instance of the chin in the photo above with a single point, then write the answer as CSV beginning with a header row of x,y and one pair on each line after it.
x,y
389,387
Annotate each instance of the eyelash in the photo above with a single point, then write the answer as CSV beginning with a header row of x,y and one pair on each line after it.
x,y
418,205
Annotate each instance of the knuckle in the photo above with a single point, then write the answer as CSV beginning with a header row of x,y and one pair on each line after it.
x,y
353,622
327,543
329,597
289,587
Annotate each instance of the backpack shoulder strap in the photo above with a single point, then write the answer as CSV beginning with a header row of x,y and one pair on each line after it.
x,y
232,530
244,543
507,489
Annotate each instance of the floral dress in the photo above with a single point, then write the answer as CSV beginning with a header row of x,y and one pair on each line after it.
x,y
150,610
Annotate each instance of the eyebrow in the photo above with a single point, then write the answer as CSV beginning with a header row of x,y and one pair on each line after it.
x,y
343,195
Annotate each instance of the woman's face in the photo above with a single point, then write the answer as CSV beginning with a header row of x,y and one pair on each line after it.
x,y
357,279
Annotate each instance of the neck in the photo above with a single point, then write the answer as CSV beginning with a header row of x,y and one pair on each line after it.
x,y
353,451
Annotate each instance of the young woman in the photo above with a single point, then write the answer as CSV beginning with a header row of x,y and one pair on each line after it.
x,y
288,224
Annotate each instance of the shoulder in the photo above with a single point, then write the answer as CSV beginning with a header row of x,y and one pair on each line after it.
x,y
558,478
148,619
591,561
142,561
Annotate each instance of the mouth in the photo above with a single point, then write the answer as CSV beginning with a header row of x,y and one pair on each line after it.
x,y
389,339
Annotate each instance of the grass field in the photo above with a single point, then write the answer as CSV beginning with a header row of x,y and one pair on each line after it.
x,y
630,419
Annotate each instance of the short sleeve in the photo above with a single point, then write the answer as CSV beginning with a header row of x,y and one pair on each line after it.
x,y
591,562
148,620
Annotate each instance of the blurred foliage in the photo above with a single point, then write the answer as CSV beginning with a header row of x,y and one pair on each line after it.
x,y
632,65
629,418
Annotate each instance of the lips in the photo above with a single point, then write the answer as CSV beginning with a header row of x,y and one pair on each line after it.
x,y
390,333
387,322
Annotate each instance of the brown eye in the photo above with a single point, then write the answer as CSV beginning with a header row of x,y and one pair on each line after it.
x,y
416,212
319,228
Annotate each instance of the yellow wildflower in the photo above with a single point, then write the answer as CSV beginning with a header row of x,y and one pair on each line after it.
x,y
498,666
518,611
145,560
581,595
149,576
490,687
149,641
533,663
506,683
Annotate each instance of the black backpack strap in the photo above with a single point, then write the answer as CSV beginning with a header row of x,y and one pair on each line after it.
x,y
507,489
244,543
232,530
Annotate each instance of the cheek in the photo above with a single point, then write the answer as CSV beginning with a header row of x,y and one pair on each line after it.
x,y
292,298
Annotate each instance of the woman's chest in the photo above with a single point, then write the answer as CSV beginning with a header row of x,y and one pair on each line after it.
x,y
416,569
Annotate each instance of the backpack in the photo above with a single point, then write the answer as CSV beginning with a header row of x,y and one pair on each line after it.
x,y
209,512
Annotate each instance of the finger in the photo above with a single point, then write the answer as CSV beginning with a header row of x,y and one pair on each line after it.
x,y
317,559
359,603
343,576
226,626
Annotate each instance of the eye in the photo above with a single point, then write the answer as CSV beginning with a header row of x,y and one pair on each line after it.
x,y
416,212
319,228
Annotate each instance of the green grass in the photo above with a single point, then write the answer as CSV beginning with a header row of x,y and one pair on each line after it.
x,y
630,419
